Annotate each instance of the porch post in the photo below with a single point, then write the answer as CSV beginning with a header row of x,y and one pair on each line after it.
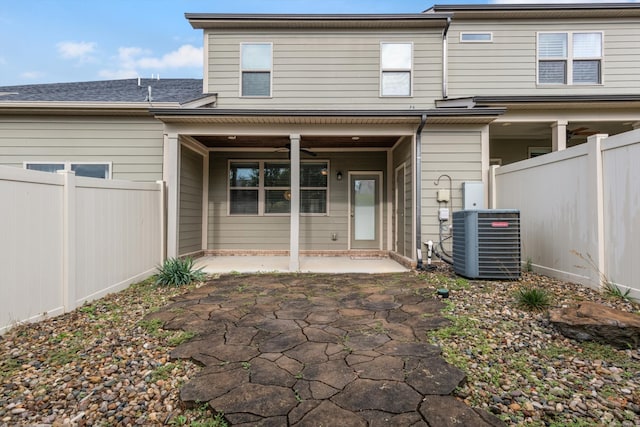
x,y
294,240
559,135
170,175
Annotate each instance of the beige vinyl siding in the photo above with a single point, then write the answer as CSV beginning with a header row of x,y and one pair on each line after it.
x,y
402,155
191,187
508,65
456,152
272,232
336,69
134,145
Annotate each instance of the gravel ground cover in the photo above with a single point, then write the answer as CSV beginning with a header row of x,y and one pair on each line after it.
x,y
102,365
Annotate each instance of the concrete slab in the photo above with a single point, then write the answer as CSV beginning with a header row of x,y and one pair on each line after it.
x,y
280,264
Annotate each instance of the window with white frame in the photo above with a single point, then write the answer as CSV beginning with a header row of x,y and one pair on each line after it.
x,y
570,58
263,187
476,37
396,61
255,68
87,169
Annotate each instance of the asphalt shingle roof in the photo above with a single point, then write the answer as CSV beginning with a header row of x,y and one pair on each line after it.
x,y
127,90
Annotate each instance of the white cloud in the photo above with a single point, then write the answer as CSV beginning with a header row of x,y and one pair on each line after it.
x,y
32,75
131,60
72,50
118,74
186,56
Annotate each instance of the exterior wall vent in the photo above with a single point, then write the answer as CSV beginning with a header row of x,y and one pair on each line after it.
x,y
486,244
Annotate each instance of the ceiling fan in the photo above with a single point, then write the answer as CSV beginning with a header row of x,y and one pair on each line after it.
x,y
581,131
287,148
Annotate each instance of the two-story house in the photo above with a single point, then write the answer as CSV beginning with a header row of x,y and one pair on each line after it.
x,y
332,134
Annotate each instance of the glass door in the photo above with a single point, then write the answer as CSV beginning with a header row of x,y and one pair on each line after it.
x,y
365,211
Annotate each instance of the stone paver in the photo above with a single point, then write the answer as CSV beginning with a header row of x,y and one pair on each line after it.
x,y
319,350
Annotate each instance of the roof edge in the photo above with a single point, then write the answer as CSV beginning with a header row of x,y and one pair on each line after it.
x,y
439,112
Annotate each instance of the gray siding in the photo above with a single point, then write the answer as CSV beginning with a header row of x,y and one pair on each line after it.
x,y
333,69
134,145
508,65
272,232
402,155
191,187
456,152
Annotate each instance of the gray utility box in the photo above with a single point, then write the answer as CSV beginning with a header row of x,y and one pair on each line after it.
x,y
486,244
472,195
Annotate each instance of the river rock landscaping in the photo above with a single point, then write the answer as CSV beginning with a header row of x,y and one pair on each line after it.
x,y
108,364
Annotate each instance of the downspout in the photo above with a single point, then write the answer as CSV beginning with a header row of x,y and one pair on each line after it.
x,y
423,121
445,60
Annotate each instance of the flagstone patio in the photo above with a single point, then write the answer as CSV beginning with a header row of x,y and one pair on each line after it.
x,y
319,350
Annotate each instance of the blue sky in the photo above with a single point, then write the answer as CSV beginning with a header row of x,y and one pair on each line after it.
x,y
46,41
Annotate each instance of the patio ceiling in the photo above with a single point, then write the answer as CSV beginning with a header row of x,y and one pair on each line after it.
x,y
516,131
307,141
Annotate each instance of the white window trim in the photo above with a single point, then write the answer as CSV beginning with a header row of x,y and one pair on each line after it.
x,y
391,70
262,188
67,165
569,59
464,33
270,71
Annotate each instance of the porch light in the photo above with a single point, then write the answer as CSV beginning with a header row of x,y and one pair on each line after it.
x,y
339,176
231,137
355,138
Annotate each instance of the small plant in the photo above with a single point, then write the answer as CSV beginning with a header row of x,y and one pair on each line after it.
x,y
611,290
528,267
178,272
609,287
180,338
533,299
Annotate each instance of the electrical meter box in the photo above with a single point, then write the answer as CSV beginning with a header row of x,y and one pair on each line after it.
x,y
472,195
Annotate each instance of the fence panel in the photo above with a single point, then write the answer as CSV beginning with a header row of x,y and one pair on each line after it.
x,y
580,210
621,188
118,239
66,240
30,253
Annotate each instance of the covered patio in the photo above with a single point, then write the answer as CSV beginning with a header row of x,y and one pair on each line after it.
x,y
308,264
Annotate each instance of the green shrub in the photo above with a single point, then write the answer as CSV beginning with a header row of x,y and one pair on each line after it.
x,y
533,298
178,272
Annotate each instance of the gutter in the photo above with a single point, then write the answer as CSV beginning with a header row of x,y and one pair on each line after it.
x,y
445,59
423,121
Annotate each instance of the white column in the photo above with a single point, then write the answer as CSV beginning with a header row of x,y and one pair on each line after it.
x,y
294,241
559,135
69,241
171,175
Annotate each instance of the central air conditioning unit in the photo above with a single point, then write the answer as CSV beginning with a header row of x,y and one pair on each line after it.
x,y
486,244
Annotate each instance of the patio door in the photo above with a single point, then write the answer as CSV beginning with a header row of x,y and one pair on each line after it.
x,y
364,197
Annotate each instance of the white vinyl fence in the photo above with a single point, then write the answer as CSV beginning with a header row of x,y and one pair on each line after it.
x,y
66,240
580,210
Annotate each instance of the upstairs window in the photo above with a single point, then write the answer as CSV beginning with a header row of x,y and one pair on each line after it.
x,y
570,58
255,68
396,60
476,37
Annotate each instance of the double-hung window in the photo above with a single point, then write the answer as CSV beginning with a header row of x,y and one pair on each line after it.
x,y
396,61
256,61
263,187
570,58
88,169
